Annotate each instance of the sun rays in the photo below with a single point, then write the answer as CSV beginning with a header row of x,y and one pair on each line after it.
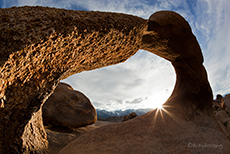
x,y
161,112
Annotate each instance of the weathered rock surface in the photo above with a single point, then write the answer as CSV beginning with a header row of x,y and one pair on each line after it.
x,y
34,131
40,46
68,108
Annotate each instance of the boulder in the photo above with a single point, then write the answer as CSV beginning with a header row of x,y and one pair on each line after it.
x,y
222,116
225,101
68,108
129,116
217,102
219,98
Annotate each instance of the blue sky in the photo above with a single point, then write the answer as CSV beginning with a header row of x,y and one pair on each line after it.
x,y
145,79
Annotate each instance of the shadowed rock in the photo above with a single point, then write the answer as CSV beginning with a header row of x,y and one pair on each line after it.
x,y
217,103
68,108
225,104
178,45
40,46
129,116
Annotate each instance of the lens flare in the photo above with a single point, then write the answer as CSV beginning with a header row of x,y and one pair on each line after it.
x,y
160,113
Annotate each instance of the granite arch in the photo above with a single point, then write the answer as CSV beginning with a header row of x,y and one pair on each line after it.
x,y
40,46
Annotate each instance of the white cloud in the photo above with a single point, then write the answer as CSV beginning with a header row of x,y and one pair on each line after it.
x,y
215,25
135,101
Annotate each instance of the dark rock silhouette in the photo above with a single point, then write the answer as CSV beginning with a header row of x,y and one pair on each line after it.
x,y
129,116
40,46
225,103
219,97
68,108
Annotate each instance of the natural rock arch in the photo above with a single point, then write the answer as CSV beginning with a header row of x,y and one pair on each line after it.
x,y
40,46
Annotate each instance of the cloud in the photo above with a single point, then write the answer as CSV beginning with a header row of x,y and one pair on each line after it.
x,y
141,8
135,101
139,77
213,23
98,105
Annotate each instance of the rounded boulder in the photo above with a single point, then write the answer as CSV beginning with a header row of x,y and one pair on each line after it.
x,y
68,108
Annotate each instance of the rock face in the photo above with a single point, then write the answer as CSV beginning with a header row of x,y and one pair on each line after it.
x,y
40,46
68,108
36,134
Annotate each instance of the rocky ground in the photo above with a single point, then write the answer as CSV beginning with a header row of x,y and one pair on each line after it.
x,y
61,130
221,109
59,137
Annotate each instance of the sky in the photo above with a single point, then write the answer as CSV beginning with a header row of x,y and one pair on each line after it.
x,y
145,80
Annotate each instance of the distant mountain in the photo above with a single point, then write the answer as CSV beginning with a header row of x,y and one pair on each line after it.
x,y
107,114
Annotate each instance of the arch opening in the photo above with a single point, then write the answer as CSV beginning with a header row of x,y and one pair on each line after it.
x,y
143,81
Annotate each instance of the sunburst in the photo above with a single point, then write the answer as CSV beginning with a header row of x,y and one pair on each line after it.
x,y
160,110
